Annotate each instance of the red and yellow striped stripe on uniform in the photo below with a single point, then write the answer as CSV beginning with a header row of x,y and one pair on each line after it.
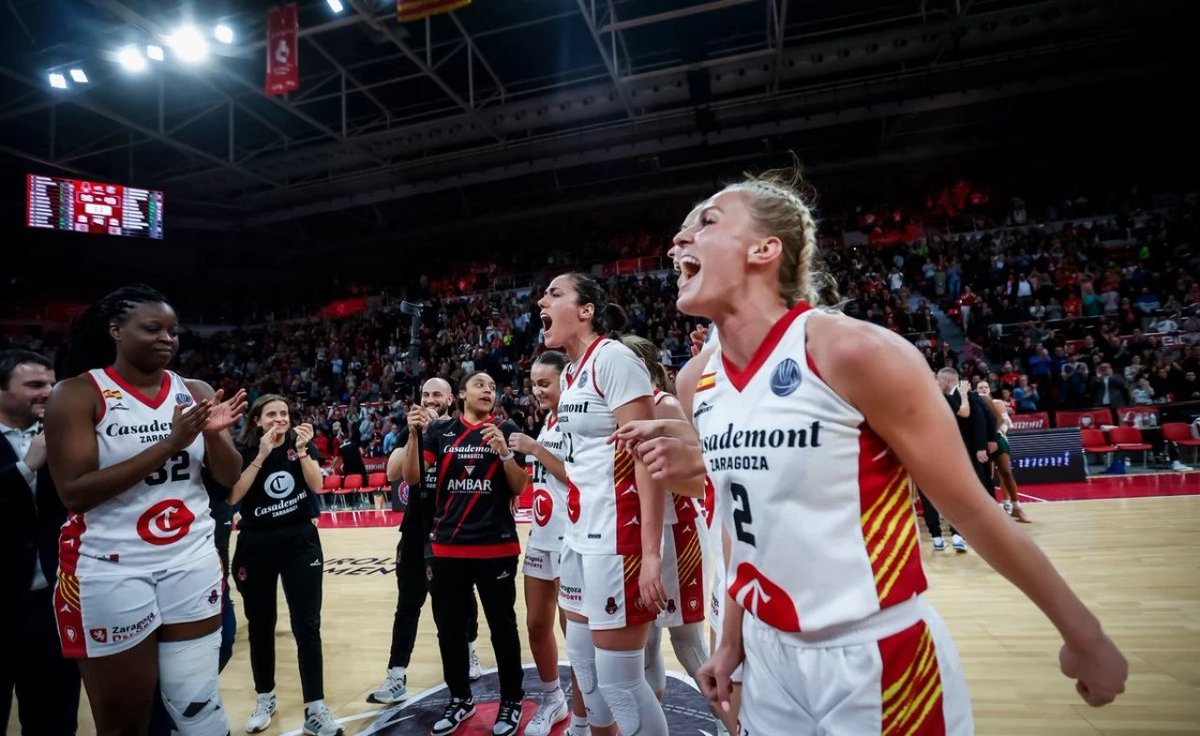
x,y
911,685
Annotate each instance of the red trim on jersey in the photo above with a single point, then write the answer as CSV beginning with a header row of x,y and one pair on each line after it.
x,y
583,361
477,551
551,420
812,366
889,527
628,504
739,377
910,684
67,609
103,402
463,418
153,403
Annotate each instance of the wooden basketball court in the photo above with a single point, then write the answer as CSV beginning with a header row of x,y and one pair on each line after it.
x,y
1135,562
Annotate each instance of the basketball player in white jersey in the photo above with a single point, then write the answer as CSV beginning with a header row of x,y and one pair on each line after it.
x,y
611,573
805,422
543,549
138,598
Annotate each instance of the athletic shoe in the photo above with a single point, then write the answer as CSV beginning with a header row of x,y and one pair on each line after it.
x,y
508,719
960,544
393,690
1008,507
457,711
476,670
260,719
939,544
1179,467
320,722
552,711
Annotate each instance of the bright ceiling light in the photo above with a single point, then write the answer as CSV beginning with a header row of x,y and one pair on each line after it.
x,y
155,52
188,44
223,33
335,5
58,81
79,76
131,59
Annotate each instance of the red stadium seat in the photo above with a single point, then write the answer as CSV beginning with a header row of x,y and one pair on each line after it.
x,y
1130,438
1094,441
1180,435
351,485
377,482
330,484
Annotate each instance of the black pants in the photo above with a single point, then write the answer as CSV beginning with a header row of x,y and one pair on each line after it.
x,y
31,662
412,588
933,520
496,579
984,472
263,557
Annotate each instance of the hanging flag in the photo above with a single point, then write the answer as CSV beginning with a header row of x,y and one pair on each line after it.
x,y
283,59
407,10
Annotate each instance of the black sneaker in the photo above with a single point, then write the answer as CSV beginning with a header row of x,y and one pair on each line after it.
x,y
508,719
457,711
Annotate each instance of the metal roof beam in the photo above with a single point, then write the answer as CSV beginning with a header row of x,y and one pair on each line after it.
x,y
609,64
617,25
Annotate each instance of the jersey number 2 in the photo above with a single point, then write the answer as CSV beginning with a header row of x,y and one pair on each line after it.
x,y
179,462
741,514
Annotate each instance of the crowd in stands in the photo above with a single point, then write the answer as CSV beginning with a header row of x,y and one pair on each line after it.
x,y
1050,313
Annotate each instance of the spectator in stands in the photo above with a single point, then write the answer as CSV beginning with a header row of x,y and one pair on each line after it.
x,y
1026,394
1074,375
1108,389
1142,393
392,439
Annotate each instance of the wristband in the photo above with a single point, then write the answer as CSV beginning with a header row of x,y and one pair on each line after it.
x,y
301,455
506,458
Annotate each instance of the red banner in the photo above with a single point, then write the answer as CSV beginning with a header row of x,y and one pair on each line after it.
x,y
283,51
1033,420
1088,419
407,10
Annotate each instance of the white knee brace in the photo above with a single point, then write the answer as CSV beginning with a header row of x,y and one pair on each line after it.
x,y
688,643
187,677
623,682
582,653
656,666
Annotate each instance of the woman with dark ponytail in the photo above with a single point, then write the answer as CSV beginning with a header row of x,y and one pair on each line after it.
x,y
138,598
610,586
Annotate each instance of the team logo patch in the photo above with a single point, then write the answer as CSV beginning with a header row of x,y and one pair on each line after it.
x,y
183,399
112,393
543,507
785,379
241,574
213,597
71,635
166,522
99,635
429,572
671,607
279,485
684,706
572,501
611,607
583,379
765,599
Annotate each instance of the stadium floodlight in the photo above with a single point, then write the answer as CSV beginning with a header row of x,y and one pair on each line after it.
x,y
58,81
223,33
79,76
155,52
132,59
188,44
336,5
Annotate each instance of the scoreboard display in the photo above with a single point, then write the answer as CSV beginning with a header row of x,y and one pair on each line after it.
x,y
80,206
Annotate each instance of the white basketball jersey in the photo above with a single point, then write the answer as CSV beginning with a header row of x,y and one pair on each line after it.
x,y
816,504
602,497
158,521
549,493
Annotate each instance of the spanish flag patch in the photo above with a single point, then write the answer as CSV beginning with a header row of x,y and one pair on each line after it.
x,y
112,393
707,381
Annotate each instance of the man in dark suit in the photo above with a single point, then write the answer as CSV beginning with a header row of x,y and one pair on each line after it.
x,y
1109,389
31,661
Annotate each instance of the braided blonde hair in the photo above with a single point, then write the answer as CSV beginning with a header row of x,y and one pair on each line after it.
x,y
775,202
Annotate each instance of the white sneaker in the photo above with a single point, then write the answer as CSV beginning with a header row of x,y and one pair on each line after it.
x,y
260,719
457,711
939,544
320,722
1179,467
552,711
393,690
959,544
476,669
1008,507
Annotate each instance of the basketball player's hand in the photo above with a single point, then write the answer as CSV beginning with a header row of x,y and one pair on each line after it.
x,y
630,434
304,435
650,585
522,443
1099,670
35,456
669,458
187,421
495,439
981,456
226,413
698,336
716,675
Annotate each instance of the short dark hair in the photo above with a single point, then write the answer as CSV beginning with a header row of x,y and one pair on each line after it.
x,y
10,359
554,358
